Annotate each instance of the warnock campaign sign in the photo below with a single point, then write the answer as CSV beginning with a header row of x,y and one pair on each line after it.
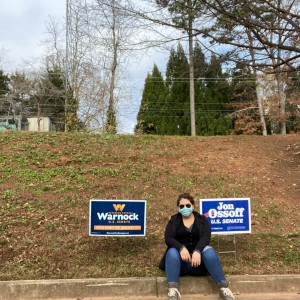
x,y
117,217
227,215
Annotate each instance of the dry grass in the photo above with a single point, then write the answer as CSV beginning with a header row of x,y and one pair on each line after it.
x,y
47,180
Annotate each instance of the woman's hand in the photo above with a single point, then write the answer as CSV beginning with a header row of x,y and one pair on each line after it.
x,y
185,255
196,259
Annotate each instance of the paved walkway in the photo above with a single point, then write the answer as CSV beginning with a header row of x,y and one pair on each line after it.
x,y
290,296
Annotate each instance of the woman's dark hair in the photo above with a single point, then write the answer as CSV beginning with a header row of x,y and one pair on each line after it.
x,y
185,196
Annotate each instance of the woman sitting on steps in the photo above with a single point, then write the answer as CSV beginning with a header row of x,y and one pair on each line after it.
x,y
187,236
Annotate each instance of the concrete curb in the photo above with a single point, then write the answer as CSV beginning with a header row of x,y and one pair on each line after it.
x,y
149,286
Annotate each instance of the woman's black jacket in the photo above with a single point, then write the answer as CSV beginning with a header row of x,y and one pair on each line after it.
x,y
203,229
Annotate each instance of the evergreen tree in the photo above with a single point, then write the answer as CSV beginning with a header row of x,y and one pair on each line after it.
x,y
111,120
72,106
20,94
171,114
242,99
48,97
201,68
177,105
4,81
242,86
201,65
151,116
212,102
4,89
56,93
184,13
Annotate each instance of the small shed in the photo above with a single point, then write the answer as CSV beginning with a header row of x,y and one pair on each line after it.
x,y
44,124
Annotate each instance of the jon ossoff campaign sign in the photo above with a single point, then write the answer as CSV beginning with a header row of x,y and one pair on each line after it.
x,y
228,215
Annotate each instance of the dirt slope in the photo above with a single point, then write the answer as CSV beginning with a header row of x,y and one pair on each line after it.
x,y
47,180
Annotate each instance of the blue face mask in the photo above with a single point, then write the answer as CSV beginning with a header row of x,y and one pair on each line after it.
x,y
186,211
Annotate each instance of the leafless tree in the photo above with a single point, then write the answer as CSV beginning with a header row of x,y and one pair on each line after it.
x,y
115,34
272,39
265,34
99,40
274,24
19,92
70,45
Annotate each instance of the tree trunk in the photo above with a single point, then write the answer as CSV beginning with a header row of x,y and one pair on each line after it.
x,y
260,109
111,126
111,116
39,117
258,96
282,101
192,86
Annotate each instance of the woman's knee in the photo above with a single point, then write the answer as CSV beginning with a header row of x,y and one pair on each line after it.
x,y
173,253
209,253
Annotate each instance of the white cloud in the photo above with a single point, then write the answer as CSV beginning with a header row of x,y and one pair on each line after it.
x,y
22,26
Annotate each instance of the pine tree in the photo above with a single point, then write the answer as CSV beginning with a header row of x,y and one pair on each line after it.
x,y
56,93
4,89
151,116
111,120
184,13
171,114
177,81
201,65
212,103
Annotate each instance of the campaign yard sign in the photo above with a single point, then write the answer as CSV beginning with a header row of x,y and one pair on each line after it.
x,y
117,217
227,215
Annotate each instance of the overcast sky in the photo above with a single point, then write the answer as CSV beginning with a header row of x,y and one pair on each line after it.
x,y
22,28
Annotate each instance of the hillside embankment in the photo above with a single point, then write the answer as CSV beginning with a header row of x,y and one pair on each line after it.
x,y
48,179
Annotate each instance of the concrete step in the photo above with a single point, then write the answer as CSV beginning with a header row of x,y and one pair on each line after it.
x,y
279,296
150,288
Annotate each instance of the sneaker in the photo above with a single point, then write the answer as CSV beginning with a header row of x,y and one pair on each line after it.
x,y
226,293
174,294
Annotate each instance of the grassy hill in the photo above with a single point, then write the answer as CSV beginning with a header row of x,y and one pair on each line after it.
x,y
47,180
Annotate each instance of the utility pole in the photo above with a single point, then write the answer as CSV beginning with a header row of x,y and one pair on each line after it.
x,y
67,64
191,56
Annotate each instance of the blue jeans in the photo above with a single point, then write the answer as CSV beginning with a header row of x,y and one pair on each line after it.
x,y
209,263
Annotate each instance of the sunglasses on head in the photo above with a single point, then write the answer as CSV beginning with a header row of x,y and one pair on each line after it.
x,y
181,206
